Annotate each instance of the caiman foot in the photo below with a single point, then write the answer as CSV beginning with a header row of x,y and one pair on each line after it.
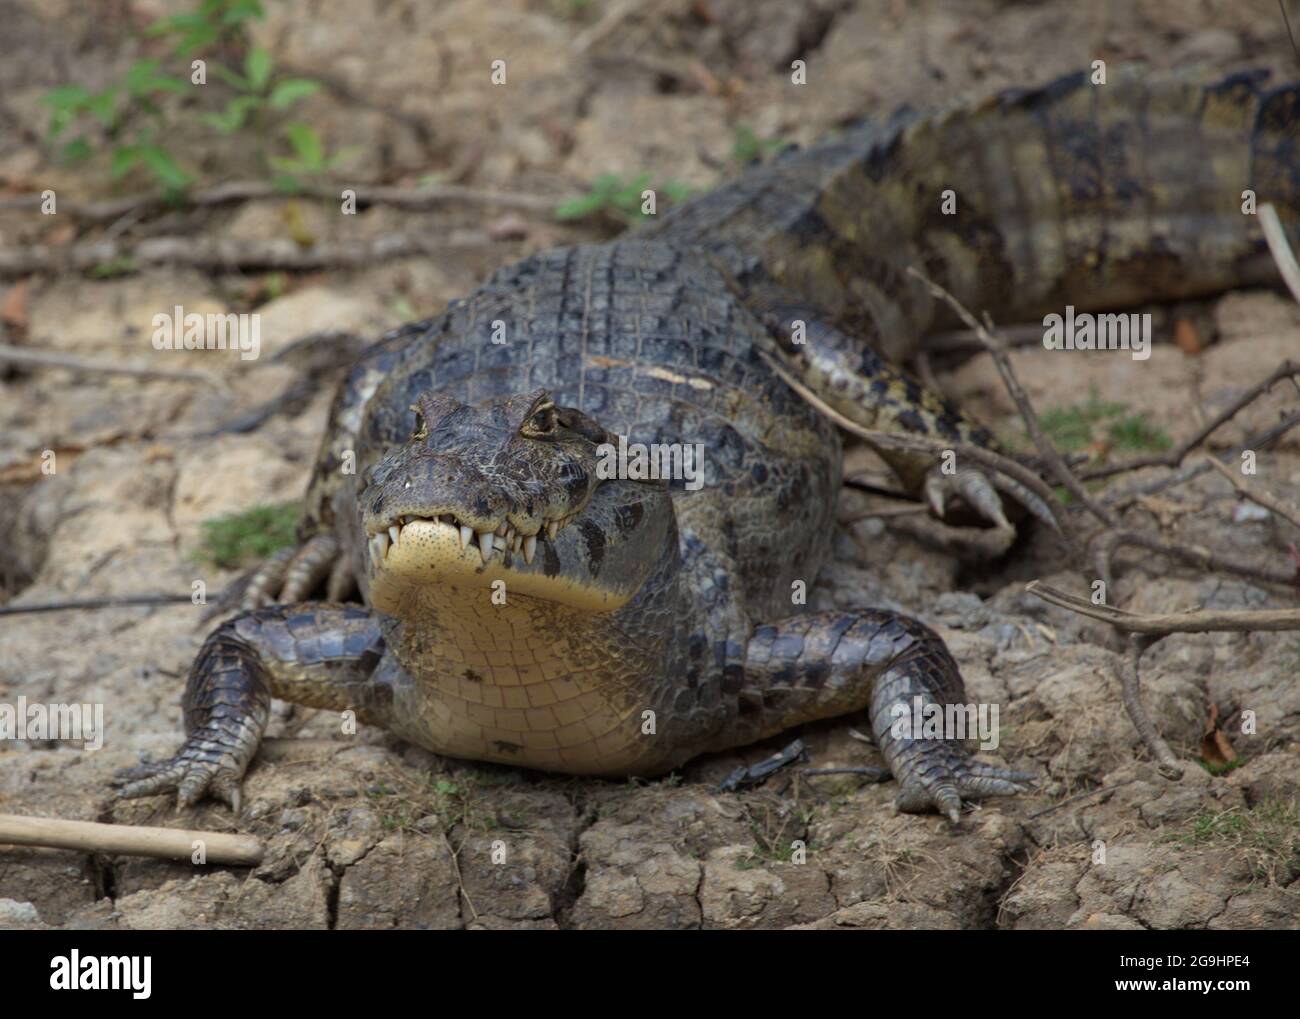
x,y
292,574
317,654
209,764
944,775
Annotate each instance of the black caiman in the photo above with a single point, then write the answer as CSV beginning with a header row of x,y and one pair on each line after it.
x,y
525,606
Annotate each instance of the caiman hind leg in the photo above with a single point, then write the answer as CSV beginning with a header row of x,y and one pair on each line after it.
x,y
850,377
821,665
320,655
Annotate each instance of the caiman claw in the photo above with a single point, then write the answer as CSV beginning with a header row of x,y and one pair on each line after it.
x,y
979,490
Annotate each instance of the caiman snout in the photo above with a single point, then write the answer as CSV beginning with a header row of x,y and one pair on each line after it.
x,y
508,491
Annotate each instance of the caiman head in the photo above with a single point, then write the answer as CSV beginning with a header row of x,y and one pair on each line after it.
x,y
509,490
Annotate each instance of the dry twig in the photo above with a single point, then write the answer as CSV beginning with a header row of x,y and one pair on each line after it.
x,y
245,191
50,359
232,255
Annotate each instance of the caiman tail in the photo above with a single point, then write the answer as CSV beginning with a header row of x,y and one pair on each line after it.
x,y
1097,195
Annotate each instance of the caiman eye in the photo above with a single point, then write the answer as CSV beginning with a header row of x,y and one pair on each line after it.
x,y
421,430
541,423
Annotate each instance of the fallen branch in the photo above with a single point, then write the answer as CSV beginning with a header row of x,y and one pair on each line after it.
x,y
609,21
245,191
1174,457
1262,440
1174,622
1271,502
93,603
1105,544
234,255
1144,631
49,359
130,840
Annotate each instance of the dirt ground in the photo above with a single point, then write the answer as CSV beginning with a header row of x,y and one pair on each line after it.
x,y
365,831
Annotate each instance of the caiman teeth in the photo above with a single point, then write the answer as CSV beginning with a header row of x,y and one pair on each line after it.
x,y
394,533
530,548
552,529
466,533
485,544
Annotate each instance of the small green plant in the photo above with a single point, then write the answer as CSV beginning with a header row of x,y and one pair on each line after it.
x,y
615,197
1267,835
256,92
1073,428
214,23
747,147
131,122
1220,767
239,538
130,118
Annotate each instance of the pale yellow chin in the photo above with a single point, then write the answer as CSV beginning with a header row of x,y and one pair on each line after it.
x,y
427,560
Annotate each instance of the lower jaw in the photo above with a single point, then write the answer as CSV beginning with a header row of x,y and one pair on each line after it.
x,y
410,586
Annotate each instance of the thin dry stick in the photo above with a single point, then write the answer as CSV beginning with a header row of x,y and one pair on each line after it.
x,y
1261,440
1130,684
1173,622
94,603
1172,458
49,359
230,255
244,191
130,840
1145,630
1265,499
611,19
1107,543
1049,452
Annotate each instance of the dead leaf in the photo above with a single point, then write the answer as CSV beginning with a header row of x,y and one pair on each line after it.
x,y
13,312
1215,747
1187,337
62,235
509,228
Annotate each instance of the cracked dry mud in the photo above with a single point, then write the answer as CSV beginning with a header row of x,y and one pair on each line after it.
x,y
364,831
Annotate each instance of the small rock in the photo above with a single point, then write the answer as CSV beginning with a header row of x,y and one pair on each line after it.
x,y
14,912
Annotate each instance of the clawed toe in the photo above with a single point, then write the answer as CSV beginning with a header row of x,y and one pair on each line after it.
x,y
979,490
190,779
293,573
945,787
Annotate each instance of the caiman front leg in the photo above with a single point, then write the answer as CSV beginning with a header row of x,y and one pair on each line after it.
x,y
317,654
826,664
